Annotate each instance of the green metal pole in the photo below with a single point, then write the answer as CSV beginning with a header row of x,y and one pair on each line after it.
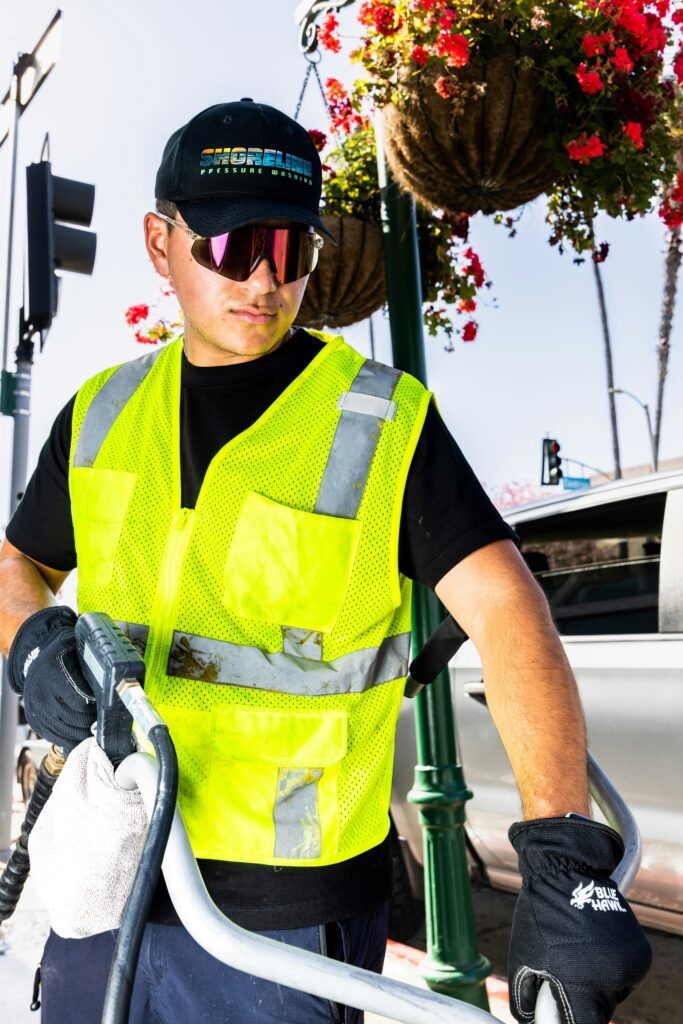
x,y
453,964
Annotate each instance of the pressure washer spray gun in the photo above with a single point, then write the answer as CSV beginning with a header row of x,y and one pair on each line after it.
x,y
109,662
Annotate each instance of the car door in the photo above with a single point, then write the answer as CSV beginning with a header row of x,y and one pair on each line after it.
x,y
613,575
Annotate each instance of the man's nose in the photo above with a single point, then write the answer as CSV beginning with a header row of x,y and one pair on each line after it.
x,y
263,277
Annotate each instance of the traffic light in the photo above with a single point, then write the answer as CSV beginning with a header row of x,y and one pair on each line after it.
x,y
52,205
551,461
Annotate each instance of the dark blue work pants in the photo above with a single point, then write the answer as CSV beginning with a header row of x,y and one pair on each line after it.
x,y
177,981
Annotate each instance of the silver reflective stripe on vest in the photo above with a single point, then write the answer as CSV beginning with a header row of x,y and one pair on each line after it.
x,y
355,442
295,814
369,405
219,661
106,406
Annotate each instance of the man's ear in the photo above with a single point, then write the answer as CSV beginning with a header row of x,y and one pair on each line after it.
x,y
156,241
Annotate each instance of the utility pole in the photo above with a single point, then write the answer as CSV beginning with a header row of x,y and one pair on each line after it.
x,y
610,371
453,964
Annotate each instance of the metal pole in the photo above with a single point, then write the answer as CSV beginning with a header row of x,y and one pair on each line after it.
x,y
646,410
14,129
9,702
453,964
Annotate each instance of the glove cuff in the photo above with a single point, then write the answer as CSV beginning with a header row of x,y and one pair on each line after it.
x,y
33,633
546,844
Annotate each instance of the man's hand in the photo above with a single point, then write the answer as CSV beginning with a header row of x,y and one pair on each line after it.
x,y
43,667
572,927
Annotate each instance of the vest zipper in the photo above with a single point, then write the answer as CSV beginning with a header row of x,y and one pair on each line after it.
x,y
167,597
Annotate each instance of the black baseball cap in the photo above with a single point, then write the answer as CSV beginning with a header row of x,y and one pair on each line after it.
x,y
240,163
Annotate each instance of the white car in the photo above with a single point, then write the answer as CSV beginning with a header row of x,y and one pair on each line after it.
x,y
610,560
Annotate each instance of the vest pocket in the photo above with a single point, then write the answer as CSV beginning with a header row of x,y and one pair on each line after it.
x,y
99,502
289,567
273,784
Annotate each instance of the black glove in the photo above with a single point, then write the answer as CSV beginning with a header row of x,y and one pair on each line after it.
x,y
44,667
572,927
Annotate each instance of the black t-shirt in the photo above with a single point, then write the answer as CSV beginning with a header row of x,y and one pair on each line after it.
x,y
446,516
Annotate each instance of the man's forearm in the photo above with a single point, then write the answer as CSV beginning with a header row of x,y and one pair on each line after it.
x,y
530,688
532,696
23,591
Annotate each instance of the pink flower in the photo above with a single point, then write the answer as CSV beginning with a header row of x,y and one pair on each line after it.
x,y
444,86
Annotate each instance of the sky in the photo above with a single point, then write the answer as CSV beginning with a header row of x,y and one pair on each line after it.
x,y
130,74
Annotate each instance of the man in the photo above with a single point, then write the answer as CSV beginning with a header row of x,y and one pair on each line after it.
x,y
252,504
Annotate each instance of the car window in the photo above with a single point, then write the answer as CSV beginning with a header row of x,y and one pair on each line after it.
x,y
599,567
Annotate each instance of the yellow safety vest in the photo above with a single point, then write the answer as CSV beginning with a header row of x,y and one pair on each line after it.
x,y
274,622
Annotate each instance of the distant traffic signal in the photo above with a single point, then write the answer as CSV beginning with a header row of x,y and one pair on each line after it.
x,y
550,470
52,204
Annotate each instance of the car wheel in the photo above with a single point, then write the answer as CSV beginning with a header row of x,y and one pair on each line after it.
x,y
27,773
406,913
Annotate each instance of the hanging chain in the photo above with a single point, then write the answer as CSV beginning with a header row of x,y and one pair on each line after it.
x,y
303,90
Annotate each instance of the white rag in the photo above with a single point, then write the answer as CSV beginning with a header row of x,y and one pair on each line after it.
x,y
86,844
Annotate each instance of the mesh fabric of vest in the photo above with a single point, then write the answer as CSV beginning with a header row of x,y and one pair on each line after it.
x,y
232,740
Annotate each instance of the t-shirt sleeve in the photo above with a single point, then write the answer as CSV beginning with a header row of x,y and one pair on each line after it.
x,y
42,527
446,512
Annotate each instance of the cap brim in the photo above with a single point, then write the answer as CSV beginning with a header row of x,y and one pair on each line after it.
x,y
214,216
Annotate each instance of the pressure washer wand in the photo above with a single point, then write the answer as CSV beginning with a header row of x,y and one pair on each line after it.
x,y
115,672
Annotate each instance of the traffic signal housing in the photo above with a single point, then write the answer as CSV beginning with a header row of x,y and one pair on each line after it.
x,y
551,472
53,204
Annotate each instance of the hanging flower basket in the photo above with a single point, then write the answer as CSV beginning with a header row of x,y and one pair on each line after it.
x,y
491,102
486,155
348,283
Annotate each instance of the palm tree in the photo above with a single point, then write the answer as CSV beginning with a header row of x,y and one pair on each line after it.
x,y
671,267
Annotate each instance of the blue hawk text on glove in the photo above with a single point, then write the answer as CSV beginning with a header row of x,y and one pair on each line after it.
x,y
572,926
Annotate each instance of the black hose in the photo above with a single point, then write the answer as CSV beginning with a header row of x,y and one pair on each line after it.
x,y
17,868
122,973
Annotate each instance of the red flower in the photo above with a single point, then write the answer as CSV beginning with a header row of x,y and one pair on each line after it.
x,y
593,45
677,16
455,48
326,37
469,331
584,149
678,66
446,20
621,60
600,255
319,139
467,305
635,133
134,314
445,87
381,17
334,90
589,81
144,339
420,55
474,268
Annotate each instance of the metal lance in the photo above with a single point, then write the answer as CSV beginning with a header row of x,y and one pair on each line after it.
x,y
453,964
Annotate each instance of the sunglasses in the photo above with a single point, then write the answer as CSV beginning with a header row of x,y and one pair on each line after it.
x,y
291,252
